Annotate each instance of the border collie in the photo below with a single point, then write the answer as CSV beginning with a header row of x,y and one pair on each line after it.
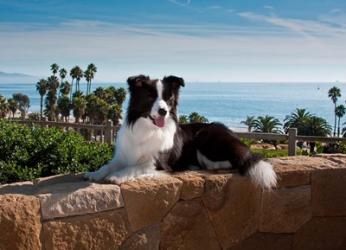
x,y
151,139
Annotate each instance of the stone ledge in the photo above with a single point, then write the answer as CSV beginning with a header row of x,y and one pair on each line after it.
x,y
185,210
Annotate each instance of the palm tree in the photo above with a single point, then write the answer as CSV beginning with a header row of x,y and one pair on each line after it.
x,y
62,73
183,119
64,107
73,75
297,120
4,108
23,103
79,106
54,68
51,101
267,124
334,93
13,106
78,75
65,88
249,122
317,126
89,74
41,87
195,117
340,112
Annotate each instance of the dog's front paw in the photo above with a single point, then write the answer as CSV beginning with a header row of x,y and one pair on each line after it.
x,y
93,176
116,179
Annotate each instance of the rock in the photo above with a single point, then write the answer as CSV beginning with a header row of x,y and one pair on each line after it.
x,y
58,179
149,199
20,224
215,190
322,234
145,239
193,185
187,227
238,217
296,171
106,230
26,187
285,210
266,241
339,159
78,199
329,192
266,146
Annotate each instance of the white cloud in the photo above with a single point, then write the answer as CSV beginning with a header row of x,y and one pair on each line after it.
x,y
197,52
305,27
183,3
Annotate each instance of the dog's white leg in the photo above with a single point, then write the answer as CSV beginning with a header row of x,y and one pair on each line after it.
x,y
129,173
101,173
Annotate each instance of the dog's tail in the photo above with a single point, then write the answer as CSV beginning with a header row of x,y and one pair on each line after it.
x,y
261,172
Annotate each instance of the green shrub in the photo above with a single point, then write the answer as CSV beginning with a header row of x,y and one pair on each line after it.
x,y
30,152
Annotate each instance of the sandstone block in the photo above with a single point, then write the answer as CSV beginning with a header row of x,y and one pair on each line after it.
x,y
285,210
107,230
329,192
193,185
20,224
236,215
266,241
187,227
149,199
145,239
322,234
80,199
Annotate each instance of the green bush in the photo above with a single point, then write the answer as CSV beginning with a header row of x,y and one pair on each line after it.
x,y
30,152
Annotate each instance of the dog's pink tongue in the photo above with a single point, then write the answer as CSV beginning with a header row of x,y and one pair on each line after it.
x,y
160,121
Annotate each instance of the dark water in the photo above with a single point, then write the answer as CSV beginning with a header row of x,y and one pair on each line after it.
x,y
230,103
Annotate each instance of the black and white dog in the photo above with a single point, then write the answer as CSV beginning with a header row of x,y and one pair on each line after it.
x,y
151,139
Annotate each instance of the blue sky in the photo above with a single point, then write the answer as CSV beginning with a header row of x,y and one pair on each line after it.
x,y
244,40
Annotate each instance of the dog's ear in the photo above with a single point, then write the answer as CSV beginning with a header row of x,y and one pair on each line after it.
x,y
137,81
176,82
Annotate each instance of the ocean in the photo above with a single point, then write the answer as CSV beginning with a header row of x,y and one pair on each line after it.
x,y
230,103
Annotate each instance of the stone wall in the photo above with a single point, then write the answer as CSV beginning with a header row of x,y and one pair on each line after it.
x,y
191,210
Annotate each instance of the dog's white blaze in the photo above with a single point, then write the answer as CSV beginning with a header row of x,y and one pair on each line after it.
x,y
262,174
159,88
212,165
159,102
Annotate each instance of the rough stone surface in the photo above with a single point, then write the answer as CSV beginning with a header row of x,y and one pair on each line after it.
x,y
148,200
76,200
295,171
237,219
285,210
26,188
322,234
20,224
187,227
329,192
193,185
215,190
146,239
107,230
266,241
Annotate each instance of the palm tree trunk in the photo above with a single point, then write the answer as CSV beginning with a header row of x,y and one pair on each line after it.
x,y
334,119
339,126
71,90
41,111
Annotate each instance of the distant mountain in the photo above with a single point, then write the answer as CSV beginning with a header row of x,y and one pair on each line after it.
x,y
17,78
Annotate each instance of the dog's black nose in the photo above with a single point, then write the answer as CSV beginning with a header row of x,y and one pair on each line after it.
x,y
162,112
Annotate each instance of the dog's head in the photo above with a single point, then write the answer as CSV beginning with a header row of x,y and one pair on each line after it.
x,y
152,99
